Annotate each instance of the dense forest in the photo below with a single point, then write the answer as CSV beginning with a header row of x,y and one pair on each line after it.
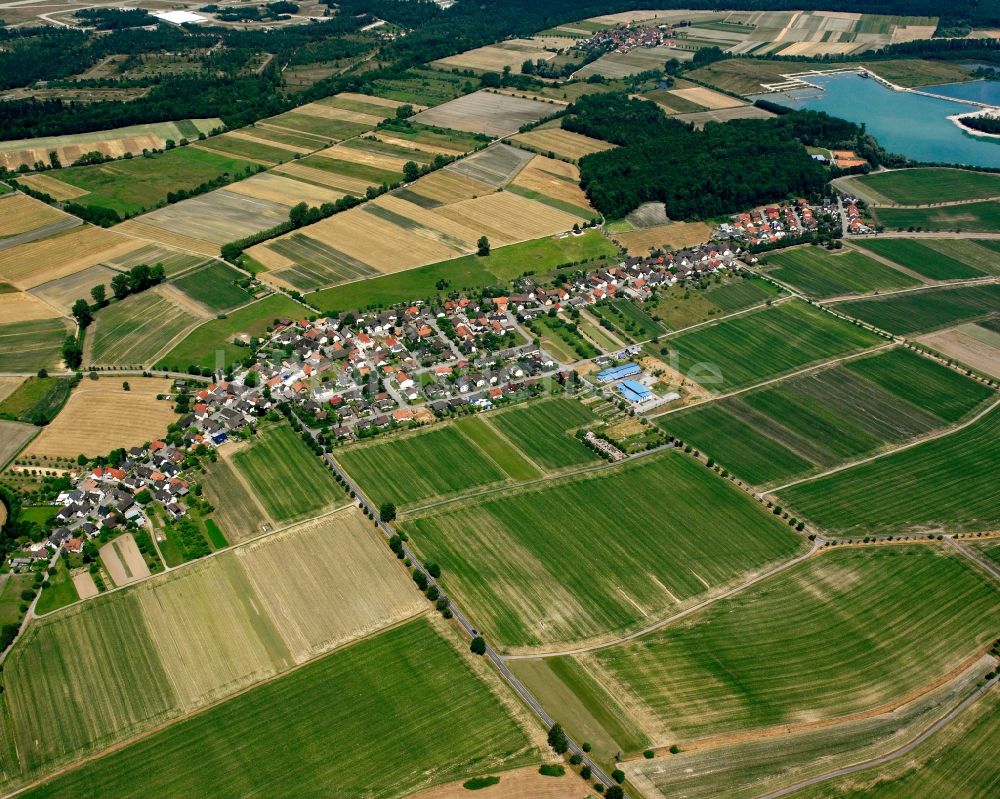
x,y
698,174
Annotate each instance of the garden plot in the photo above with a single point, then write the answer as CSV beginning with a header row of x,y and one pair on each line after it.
x,y
123,560
133,331
38,262
496,165
485,112
19,306
20,214
563,143
101,416
61,294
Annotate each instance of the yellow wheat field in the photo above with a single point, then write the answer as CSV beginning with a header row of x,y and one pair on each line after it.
x,y
37,262
284,190
555,179
101,416
708,98
447,186
20,213
355,155
330,112
168,237
21,307
672,236
349,584
564,143
55,188
514,218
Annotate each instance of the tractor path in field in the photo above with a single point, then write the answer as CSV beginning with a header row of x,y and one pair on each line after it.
x,y
941,433
976,557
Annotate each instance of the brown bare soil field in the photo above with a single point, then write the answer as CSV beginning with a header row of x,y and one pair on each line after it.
x,y
522,783
8,384
447,186
553,178
123,560
85,585
348,584
284,190
62,293
13,436
330,112
20,213
969,344
562,142
22,307
29,265
150,232
53,187
710,99
486,112
670,236
101,416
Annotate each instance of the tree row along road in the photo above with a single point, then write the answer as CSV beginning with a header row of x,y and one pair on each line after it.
x,y
529,699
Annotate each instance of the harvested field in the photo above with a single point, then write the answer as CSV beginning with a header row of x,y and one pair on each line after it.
x,y
174,262
700,118
324,607
329,111
563,143
524,783
284,191
789,650
100,416
485,112
507,218
346,176
442,187
84,584
62,293
54,187
365,156
123,560
20,213
19,306
970,344
672,236
13,436
133,331
238,511
311,264
515,559
8,385
30,346
134,227
712,100
496,165
30,265
554,180
493,58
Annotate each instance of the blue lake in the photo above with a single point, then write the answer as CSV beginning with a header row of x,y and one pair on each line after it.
x,y
906,123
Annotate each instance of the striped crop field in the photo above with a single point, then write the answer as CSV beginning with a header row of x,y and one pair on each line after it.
x,y
582,556
382,718
843,632
932,185
543,431
290,481
939,259
135,330
822,418
193,636
744,350
820,273
945,484
922,311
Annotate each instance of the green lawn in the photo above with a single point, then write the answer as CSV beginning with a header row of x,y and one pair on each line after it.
x,y
288,479
978,217
214,287
37,397
923,311
30,346
201,346
381,718
932,185
747,349
412,468
948,484
931,258
840,633
821,273
58,591
132,186
587,555
544,431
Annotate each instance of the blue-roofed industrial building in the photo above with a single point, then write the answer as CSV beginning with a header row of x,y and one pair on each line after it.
x,y
618,372
634,391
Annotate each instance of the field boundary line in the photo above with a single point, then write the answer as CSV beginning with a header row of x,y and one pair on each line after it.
x,y
199,711
792,295
985,280
975,557
906,748
816,547
486,420
853,247
942,433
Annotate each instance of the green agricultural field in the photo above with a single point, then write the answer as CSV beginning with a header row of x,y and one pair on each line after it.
x,y
412,468
978,217
37,397
737,294
333,129
379,701
200,346
485,436
214,286
932,185
136,185
923,311
542,255
135,330
317,264
590,554
747,349
30,346
823,418
937,259
289,480
58,591
544,431
678,307
423,85
958,761
820,273
628,319
251,150
373,175
795,647
948,483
